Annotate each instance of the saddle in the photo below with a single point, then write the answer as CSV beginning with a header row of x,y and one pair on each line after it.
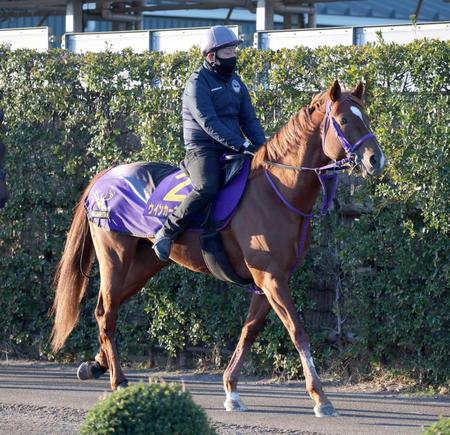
x,y
231,165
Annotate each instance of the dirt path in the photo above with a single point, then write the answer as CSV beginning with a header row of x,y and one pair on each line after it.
x,y
44,398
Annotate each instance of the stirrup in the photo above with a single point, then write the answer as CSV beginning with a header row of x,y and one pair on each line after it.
x,y
162,248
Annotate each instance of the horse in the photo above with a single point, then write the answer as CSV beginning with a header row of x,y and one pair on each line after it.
x,y
266,239
4,194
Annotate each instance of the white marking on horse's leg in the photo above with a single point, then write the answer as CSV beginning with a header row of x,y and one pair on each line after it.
x,y
310,363
233,403
233,395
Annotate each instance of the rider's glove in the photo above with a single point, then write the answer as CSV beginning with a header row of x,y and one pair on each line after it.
x,y
248,146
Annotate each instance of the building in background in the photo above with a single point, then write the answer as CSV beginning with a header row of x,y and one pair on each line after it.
x,y
103,15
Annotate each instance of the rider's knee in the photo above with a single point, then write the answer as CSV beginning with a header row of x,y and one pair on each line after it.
x,y
208,193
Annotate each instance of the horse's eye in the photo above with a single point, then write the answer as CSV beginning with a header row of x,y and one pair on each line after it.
x,y
344,120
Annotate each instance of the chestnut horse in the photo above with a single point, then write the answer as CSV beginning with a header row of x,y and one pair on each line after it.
x,y
4,195
262,240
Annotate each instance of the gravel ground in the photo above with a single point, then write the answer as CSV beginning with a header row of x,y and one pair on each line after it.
x,y
18,419
38,420
47,398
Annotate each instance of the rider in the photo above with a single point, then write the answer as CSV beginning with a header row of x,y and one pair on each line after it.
x,y
217,112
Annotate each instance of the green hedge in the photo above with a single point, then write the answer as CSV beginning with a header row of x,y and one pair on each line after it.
x,y
69,116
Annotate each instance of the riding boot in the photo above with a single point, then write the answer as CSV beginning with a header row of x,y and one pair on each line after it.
x,y
194,204
204,170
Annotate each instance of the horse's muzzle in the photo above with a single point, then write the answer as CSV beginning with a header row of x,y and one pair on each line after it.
x,y
373,164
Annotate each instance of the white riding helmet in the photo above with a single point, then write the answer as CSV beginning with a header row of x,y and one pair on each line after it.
x,y
218,37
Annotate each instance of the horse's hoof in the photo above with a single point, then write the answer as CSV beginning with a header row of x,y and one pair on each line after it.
x,y
234,406
89,370
84,373
326,410
122,385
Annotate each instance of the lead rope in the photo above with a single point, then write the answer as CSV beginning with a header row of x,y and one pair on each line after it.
x,y
306,219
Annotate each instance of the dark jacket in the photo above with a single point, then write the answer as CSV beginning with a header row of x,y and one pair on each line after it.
x,y
217,110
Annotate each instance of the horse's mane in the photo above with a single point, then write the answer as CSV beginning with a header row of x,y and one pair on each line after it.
x,y
296,131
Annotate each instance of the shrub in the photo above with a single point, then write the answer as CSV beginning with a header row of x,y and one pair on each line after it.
x,y
442,427
155,409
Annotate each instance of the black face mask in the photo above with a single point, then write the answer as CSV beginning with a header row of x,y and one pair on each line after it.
x,y
227,66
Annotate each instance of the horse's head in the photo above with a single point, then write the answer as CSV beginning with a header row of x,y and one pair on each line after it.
x,y
346,131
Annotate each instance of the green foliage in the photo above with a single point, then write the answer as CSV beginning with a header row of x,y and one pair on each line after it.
x,y
69,116
155,409
442,427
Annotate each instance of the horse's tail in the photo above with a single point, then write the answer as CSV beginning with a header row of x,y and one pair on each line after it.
x,y
72,273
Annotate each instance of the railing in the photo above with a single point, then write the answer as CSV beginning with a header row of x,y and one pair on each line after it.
x,y
171,40
28,37
400,34
167,40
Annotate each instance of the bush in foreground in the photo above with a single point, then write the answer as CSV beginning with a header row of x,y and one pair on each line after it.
x,y
442,427
154,409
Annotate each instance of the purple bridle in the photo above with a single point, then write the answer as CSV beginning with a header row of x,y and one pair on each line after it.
x,y
325,179
346,145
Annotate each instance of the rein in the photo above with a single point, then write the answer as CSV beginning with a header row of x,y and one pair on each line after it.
x,y
349,162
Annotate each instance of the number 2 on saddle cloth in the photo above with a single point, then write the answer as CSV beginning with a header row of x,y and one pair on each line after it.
x,y
132,199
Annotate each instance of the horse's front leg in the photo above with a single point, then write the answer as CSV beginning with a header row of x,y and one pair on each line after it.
x,y
276,288
257,313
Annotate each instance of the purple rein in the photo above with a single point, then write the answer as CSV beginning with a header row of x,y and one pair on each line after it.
x,y
328,181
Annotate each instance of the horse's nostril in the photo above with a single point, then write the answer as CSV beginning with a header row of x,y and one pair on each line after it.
x,y
373,160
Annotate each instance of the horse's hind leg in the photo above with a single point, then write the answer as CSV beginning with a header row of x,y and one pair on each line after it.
x,y
115,253
93,370
257,313
144,265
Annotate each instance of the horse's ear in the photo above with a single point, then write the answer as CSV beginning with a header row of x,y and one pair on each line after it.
x,y
335,91
358,92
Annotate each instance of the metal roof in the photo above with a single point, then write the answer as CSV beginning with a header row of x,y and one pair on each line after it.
x,y
329,13
431,10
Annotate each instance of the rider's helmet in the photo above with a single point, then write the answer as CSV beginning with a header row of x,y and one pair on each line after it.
x,y
218,37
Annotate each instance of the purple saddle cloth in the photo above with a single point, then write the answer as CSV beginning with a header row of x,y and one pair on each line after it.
x,y
136,198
